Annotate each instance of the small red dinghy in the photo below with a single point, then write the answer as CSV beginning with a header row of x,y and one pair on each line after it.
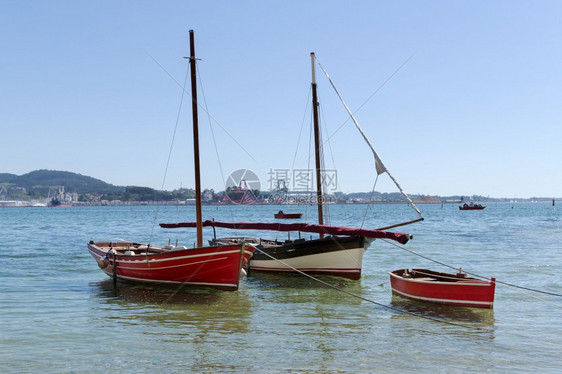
x,y
281,215
443,288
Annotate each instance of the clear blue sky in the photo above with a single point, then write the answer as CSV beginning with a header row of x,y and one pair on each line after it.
x,y
477,109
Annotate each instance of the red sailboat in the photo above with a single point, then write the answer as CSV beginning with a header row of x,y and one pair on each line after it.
x,y
443,288
214,266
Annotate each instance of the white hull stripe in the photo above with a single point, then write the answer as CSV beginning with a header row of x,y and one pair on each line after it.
x,y
325,270
142,258
123,264
346,260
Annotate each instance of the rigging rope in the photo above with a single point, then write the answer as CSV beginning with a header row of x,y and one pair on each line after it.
x,y
325,207
373,94
200,80
169,152
369,203
325,181
210,117
298,146
379,165
209,114
309,186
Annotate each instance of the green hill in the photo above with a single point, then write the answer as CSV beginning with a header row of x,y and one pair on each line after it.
x,y
44,183
7,178
39,181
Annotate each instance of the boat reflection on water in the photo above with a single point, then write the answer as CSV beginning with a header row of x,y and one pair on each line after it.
x,y
183,309
293,289
298,281
479,317
133,293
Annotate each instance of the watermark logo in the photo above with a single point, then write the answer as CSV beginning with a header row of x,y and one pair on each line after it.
x,y
243,186
286,186
301,180
296,186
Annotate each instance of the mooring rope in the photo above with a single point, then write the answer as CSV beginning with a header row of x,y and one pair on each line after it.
x,y
369,300
473,274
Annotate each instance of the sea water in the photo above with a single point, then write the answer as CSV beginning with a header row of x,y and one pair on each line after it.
x,y
61,314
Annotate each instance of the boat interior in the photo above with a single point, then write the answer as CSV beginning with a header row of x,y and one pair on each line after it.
x,y
430,275
131,248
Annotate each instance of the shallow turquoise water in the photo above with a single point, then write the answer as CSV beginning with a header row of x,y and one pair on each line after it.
x,y
60,313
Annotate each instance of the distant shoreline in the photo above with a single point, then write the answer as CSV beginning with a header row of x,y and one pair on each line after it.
x,y
26,204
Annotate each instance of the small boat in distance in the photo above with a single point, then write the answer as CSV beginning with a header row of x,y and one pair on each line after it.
x,y
281,215
217,266
471,206
443,288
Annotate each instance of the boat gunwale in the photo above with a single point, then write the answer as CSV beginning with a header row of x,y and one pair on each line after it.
x,y
459,282
452,279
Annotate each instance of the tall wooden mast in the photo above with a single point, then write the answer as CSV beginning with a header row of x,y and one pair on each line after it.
x,y
317,145
195,139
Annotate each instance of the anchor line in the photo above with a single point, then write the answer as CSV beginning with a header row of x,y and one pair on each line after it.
x,y
369,300
473,274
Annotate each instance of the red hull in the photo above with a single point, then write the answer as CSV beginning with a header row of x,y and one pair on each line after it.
x,y
442,288
287,215
215,267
